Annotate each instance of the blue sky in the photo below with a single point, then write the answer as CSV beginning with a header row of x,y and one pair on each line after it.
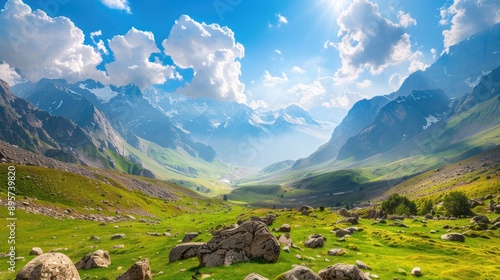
x,y
260,52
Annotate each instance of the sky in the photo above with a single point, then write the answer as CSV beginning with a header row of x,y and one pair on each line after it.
x,y
265,53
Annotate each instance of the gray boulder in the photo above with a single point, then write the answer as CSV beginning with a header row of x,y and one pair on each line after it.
x,y
255,276
118,236
480,219
97,259
49,266
284,228
184,251
139,271
315,241
299,273
189,236
285,240
37,251
453,236
251,240
342,272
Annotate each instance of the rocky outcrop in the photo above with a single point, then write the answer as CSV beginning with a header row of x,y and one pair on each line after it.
x,y
139,271
284,228
189,236
251,240
184,251
452,236
299,273
268,220
97,259
50,266
480,219
342,272
255,276
315,241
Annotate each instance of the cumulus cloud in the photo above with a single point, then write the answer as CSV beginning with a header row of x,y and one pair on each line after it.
x,y
364,84
280,21
417,65
255,104
117,5
405,19
468,17
307,94
278,51
132,65
270,80
98,43
44,47
396,80
212,52
346,99
297,69
9,74
369,41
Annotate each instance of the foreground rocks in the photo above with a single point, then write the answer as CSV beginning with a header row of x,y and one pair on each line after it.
x,y
184,251
97,259
49,266
342,271
139,271
299,273
251,240
255,276
452,236
315,241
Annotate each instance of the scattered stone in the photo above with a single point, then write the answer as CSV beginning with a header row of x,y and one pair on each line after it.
x,y
184,251
299,273
337,252
49,266
286,249
255,276
343,271
36,251
118,236
362,265
496,220
495,226
139,271
342,232
95,238
98,259
119,246
285,240
298,256
284,228
416,271
315,241
189,236
480,219
452,236
344,213
250,240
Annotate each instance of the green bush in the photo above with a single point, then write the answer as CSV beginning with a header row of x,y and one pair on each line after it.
x,y
400,203
456,204
425,207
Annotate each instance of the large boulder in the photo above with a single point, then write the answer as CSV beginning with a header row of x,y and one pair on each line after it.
x,y
480,219
97,259
284,228
251,240
139,271
342,272
49,266
255,276
315,241
184,251
299,273
268,220
452,236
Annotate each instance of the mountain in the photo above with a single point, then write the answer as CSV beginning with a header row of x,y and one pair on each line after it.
x,y
455,72
398,121
53,136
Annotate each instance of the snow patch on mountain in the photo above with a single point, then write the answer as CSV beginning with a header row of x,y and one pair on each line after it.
x,y
430,121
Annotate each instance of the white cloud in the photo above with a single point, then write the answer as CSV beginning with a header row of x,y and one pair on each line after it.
x,y
269,80
468,17
131,65
211,51
307,94
9,74
255,104
277,51
364,84
405,19
99,43
329,44
297,69
396,80
344,100
44,47
117,5
369,41
417,65
280,21
433,52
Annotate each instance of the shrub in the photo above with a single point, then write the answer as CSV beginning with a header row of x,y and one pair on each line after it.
x,y
390,206
456,204
426,207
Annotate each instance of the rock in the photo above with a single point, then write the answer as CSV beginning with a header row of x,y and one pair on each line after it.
x,y
284,228
342,232
97,259
480,219
428,216
250,240
342,272
315,241
452,236
119,246
350,220
395,218
255,276
49,266
118,236
298,256
337,252
495,226
416,271
496,220
299,273
189,236
184,251
286,249
305,208
362,265
344,213
268,220
139,271
37,251
497,209
285,240
95,238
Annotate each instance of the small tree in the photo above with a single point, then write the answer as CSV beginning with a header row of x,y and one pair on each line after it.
x,y
456,204
390,206
426,207
224,197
